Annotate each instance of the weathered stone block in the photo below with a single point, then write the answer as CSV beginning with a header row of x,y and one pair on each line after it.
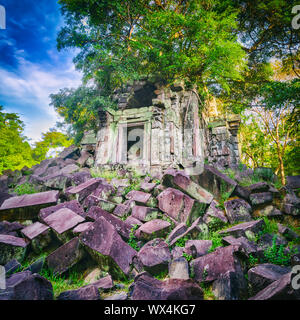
x,y
131,221
83,190
263,275
27,286
11,248
245,229
148,288
39,234
156,228
107,248
246,246
213,265
180,229
280,289
154,256
268,211
214,216
27,206
238,210
122,210
181,181
179,206
89,292
121,227
82,227
179,269
144,213
62,221
10,228
65,256
197,248
215,182
73,205
261,198
12,266
230,286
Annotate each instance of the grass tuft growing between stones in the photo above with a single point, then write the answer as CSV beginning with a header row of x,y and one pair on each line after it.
x,y
62,283
25,188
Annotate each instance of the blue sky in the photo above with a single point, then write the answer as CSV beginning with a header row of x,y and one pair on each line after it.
x,y
31,68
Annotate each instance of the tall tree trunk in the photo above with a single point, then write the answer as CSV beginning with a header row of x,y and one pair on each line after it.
x,y
281,166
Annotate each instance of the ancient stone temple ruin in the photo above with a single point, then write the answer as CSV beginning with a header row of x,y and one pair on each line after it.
x,y
155,127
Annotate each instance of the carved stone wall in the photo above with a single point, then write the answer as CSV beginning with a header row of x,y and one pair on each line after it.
x,y
163,128
222,142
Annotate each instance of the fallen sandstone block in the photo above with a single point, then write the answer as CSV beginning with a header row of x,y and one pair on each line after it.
x,y
121,227
27,286
179,206
154,256
238,210
148,288
81,191
179,180
211,179
107,248
212,265
263,275
246,229
66,256
156,228
11,248
27,206
39,234
62,221
73,205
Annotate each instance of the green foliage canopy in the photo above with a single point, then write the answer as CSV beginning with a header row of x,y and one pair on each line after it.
x,y
15,151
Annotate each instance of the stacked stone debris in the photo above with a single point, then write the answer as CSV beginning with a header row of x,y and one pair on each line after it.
x,y
108,228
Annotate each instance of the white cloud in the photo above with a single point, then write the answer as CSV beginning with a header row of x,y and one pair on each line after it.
x,y
31,86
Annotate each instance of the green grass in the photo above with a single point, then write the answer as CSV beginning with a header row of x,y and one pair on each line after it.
x,y
132,238
162,275
230,173
269,227
135,184
61,283
216,239
25,188
207,291
187,256
224,196
106,174
181,242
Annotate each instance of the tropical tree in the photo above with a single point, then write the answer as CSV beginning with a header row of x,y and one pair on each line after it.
x,y
15,151
50,140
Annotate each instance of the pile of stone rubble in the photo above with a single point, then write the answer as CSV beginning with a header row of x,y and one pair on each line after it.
x,y
162,228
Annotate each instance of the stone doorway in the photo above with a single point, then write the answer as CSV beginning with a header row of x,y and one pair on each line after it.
x,y
135,143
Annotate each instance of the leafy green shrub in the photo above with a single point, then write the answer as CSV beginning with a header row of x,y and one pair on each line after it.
x,y
269,227
216,239
181,242
25,188
224,196
276,255
62,283
188,257
134,185
106,174
132,238
252,261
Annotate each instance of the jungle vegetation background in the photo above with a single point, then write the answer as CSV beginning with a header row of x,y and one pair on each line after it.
x,y
244,53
